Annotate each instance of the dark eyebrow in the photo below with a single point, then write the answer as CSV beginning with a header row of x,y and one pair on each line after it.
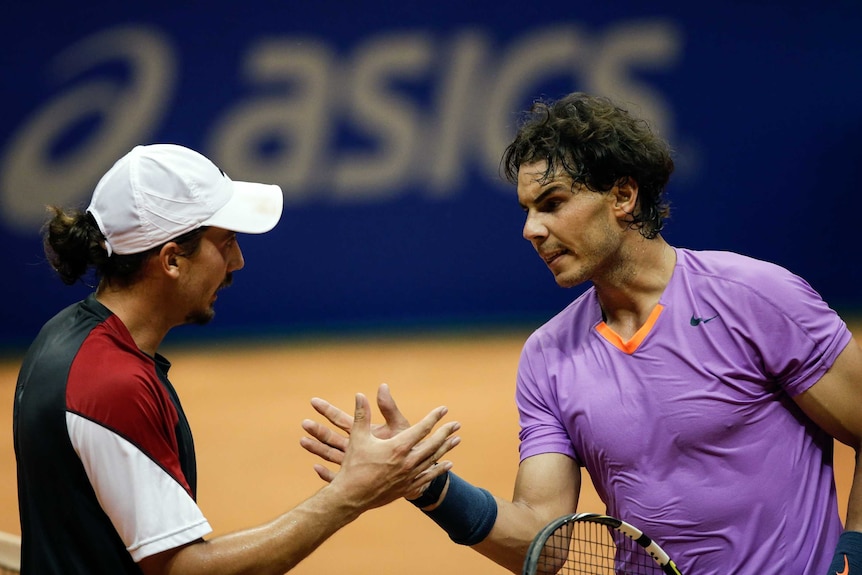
x,y
551,189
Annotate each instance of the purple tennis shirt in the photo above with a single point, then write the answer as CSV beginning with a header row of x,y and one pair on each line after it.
x,y
688,430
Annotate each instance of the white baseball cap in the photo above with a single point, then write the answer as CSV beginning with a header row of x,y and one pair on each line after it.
x,y
159,192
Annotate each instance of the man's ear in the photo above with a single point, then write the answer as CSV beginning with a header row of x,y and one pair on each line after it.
x,y
168,259
626,196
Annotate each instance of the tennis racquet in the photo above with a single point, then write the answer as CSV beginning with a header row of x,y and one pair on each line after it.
x,y
593,544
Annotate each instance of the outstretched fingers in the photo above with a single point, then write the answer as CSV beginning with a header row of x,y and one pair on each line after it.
x,y
395,420
335,416
424,479
323,442
379,462
422,447
326,474
420,437
441,442
361,430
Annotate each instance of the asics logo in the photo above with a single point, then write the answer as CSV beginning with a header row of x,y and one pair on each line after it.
x,y
695,321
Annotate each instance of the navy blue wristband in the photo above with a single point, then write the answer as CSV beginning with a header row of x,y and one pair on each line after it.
x,y
467,513
432,493
848,554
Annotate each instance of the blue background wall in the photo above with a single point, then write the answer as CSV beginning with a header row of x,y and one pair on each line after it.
x,y
384,123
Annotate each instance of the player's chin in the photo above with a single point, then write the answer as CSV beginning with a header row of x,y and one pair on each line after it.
x,y
201,317
568,280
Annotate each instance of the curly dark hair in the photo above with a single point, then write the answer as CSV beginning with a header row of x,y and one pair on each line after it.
x,y
599,145
73,244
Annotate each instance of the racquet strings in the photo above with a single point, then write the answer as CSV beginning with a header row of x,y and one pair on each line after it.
x,y
594,549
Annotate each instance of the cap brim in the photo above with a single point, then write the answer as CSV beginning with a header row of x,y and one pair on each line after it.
x,y
252,209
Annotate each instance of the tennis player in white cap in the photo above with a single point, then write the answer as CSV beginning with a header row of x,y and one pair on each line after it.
x,y
106,461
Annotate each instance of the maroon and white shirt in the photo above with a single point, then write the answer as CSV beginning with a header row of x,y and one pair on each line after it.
x,y
106,462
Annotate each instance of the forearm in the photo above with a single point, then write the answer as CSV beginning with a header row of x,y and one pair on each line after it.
x,y
848,553
854,504
271,549
502,530
507,543
498,529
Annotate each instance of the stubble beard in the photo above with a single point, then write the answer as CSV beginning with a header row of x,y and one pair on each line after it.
x,y
570,280
201,317
204,316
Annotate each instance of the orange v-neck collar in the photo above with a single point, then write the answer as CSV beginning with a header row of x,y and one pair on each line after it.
x,y
631,345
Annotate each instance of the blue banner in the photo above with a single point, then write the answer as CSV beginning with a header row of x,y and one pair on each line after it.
x,y
384,124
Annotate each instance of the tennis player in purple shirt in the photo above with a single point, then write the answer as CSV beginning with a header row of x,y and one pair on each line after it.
x,y
701,390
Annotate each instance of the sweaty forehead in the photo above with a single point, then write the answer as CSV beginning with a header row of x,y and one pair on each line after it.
x,y
533,181
532,174
532,171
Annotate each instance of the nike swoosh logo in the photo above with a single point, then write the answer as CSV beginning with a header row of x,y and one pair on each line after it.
x,y
846,567
695,321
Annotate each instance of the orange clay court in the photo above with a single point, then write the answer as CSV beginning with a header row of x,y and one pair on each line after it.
x,y
245,404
